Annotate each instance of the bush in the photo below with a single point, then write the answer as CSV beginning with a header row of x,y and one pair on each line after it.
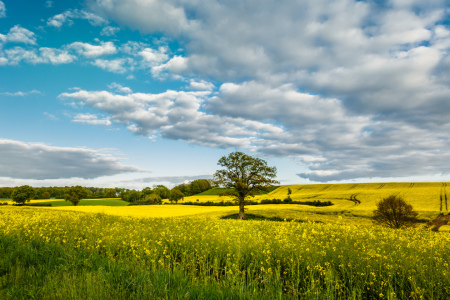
x,y
287,200
395,212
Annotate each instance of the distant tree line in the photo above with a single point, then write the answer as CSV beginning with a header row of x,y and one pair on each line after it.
x,y
156,194
147,195
60,192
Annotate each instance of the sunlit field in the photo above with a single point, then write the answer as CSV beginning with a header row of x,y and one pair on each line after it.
x,y
103,250
214,258
423,196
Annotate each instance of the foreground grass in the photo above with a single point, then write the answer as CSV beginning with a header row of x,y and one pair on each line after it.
x,y
129,257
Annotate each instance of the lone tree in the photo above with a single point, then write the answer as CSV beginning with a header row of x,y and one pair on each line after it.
x,y
395,212
75,193
23,194
175,195
246,175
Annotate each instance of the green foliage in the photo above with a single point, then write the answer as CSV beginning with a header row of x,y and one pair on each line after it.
x,y
393,211
23,194
153,199
195,187
130,196
247,175
46,195
75,193
162,191
176,194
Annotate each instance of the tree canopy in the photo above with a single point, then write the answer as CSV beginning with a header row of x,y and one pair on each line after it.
x,y
393,211
23,194
75,193
247,176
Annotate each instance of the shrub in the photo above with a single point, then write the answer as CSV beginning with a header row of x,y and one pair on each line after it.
x,y
393,211
287,200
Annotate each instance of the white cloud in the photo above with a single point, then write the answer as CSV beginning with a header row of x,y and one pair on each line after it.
x,y
201,85
40,161
174,115
109,31
91,119
44,55
153,57
2,10
67,18
20,94
92,51
115,65
156,15
56,56
18,34
119,88
176,65
48,3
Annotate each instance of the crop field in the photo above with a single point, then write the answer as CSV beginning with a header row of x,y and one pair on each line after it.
x,y
202,257
359,196
188,252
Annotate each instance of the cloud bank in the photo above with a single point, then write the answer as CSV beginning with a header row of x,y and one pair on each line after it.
x,y
39,161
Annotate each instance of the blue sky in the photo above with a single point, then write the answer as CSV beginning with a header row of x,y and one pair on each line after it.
x,y
132,93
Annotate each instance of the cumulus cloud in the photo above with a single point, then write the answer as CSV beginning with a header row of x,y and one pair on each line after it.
x,y
148,16
201,85
119,88
154,57
18,34
44,55
91,119
39,161
119,65
351,88
91,51
174,115
68,16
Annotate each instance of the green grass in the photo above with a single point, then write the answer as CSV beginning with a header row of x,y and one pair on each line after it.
x,y
39,270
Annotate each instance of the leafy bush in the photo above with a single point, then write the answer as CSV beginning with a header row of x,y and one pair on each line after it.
x,y
395,212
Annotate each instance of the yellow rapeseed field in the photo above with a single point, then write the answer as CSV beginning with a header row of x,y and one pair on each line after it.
x,y
296,259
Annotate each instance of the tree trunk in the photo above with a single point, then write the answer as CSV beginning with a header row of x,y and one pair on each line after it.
x,y
241,215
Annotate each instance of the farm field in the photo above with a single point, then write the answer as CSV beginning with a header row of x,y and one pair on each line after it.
x,y
50,253
105,251
423,196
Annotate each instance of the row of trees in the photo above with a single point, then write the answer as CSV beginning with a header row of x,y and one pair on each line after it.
x,y
187,189
74,194
152,195
25,193
59,192
195,187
